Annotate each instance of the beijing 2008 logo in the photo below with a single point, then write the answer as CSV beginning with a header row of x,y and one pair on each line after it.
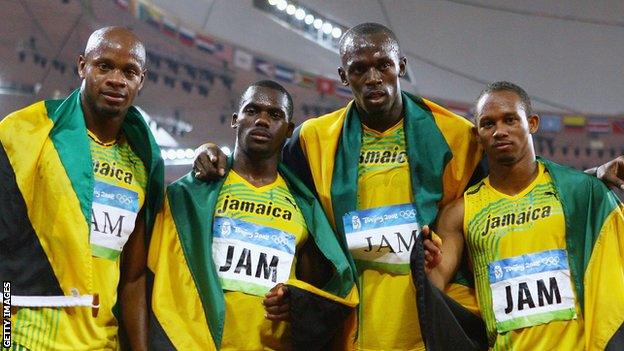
x,y
355,222
498,272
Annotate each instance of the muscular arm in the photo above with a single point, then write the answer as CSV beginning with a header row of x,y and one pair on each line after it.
x,y
132,287
449,226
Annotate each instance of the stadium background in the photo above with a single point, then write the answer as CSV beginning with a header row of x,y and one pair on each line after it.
x,y
201,53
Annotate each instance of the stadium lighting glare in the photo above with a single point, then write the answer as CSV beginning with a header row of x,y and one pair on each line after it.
x,y
189,153
336,32
318,23
171,154
308,19
327,27
291,9
272,2
281,5
300,14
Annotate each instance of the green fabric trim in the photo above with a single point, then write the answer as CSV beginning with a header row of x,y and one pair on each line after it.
x,y
193,204
104,252
69,136
529,321
320,229
428,154
586,203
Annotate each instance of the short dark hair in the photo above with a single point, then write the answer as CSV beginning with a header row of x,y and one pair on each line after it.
x,y
366,29
275,86
507,86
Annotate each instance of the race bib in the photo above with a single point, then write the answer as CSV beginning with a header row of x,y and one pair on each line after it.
x,y
113,214
251,258
531,289
382,238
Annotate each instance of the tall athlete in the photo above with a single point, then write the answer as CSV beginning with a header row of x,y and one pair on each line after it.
x,y
545,242
222,251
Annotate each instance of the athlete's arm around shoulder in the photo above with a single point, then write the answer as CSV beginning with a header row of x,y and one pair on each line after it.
x,y
449,226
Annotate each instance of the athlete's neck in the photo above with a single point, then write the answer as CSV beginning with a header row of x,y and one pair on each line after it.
x,y
257,171
512,179
384,120
105,128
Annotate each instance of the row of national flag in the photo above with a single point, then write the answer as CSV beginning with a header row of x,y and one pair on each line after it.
x,y
173,28
580,123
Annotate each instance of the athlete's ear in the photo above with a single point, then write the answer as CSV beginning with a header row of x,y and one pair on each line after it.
x,y
234,120
534,121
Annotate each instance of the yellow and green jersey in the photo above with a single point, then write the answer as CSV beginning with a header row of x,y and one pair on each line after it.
x,y
517,249
383,169
119,193
257,231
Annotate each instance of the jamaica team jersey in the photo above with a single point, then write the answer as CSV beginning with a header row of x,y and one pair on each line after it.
x,y
388,318
120,181
257,231
517,249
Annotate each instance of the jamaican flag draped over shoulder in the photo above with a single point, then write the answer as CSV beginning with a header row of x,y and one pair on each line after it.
x,y
595,244
188,306
46,194
442,155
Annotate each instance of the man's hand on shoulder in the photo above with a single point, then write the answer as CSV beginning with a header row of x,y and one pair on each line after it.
x,y
612,172
210,162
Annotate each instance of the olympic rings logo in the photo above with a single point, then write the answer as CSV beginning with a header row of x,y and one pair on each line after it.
x,y
408,214
551,260
280,240
124,199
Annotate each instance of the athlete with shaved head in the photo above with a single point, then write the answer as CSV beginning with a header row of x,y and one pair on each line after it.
x,y
81,180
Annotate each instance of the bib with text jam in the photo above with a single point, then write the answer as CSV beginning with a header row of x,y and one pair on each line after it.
x,y
251,258
114,212
531,289
381,238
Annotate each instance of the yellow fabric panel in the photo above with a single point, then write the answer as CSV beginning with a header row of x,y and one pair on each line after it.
x,y
175,299
512,240
55,215
467,151
604,284
322,133
246,328
465,296
350,300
